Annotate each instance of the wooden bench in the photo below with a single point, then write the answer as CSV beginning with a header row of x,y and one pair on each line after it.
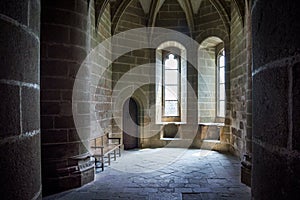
x,y
103,146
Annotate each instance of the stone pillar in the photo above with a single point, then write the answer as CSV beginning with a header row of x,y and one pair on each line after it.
x,y
64,38
276,94
20,169
247,159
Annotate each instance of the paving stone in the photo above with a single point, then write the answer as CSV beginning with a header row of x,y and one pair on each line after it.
x,y
210,175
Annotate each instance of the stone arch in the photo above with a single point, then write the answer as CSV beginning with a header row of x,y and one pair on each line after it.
x,y
140,98
223,13
223,35
240,6
123,8
99,10
187,8
207,79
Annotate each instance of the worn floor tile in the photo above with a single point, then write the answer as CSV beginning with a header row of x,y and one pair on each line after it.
x,y
165,174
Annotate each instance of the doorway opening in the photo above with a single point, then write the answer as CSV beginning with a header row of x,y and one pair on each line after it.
x,y
130,125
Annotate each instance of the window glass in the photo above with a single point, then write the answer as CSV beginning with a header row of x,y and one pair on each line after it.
x,y
171,92
171,108
171,76
222,75
222,60
222,92
171,86
171,62
221,95
222,108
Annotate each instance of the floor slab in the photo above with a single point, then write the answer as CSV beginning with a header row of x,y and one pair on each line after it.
x,y
165,174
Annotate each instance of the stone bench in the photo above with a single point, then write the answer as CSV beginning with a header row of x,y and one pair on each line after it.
x,y
103,146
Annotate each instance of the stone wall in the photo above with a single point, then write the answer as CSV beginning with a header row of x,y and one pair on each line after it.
x,y
238,83
208,22
207,84
102,71
172,16
129,78
20,164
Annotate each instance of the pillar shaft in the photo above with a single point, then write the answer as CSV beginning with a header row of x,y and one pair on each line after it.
x,y
276,88
64,26
20,168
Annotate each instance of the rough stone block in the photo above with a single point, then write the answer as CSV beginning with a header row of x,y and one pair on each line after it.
x,y
57,83
20,175
10,110
270,106
47,95
54,68
78,37
296,107
73,53
67,95
16,9
82,6
19,54
50,108
266,175
64,122
64,17
34,18
30,109
60,151
171,15
70,5
55,33
65,109
76,135
274,37
47,122
54,136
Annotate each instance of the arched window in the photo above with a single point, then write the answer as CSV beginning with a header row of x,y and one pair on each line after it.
x,y
211,80
221,84
171,85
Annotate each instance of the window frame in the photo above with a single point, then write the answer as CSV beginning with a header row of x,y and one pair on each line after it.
x,y
220,54
171,118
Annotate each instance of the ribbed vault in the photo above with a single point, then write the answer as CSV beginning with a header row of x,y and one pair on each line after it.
x,y
190,7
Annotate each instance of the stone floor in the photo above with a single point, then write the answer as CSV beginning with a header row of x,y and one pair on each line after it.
x,y
165,174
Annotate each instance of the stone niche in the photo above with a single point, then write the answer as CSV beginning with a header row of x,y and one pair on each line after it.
x,y
170,130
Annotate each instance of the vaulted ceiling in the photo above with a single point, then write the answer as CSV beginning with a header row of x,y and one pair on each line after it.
x,y
152,7
193,4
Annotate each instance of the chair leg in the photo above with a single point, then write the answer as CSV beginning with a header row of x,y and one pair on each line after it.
x,y
102,163
109,159
115,155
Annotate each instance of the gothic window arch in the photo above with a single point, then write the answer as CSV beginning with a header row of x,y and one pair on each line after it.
x,y
171,83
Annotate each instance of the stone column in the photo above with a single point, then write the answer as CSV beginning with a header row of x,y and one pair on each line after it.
x,y
276,94
247,162
20,168
64,40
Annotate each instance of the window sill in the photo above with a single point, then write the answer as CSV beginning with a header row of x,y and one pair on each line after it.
x,y
163,123
173,139
212,124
